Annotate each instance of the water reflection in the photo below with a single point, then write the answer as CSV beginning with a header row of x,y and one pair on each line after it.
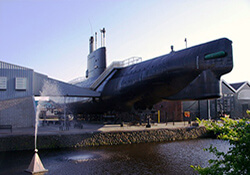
x,y
82,157
152,158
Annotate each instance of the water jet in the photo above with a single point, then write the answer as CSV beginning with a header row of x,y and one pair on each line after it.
x,y
36,166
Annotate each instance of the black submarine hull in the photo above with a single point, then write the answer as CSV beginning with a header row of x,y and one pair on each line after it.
x,y
190,74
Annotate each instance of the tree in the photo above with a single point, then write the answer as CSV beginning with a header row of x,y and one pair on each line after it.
x,y
237,160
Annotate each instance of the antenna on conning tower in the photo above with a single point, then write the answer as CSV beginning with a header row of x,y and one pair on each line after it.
x,y
91,44
103,31
95,40
90,27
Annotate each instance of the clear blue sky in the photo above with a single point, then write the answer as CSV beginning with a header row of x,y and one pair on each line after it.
x,y
51,36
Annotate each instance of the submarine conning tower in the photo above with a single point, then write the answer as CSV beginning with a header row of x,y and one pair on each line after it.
x,y
97,57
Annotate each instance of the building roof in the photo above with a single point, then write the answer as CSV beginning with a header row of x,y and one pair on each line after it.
x,y
229,86
4,65
52,87
236,86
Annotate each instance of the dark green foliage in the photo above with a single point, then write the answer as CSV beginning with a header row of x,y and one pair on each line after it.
x,y
237,160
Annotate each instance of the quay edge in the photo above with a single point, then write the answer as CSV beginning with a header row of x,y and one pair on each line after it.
x,y
54,141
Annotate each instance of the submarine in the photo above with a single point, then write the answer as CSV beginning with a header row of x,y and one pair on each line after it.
x,y
193,73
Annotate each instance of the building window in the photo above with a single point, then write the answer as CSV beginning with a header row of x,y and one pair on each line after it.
x,y
3,83
21,83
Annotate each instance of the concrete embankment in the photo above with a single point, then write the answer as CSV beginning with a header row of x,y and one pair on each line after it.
x,y
52,141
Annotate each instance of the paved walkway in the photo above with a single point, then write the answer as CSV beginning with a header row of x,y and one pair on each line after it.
x,y
53,129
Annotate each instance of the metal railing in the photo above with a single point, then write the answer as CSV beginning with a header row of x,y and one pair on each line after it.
x,y
112,66
131,61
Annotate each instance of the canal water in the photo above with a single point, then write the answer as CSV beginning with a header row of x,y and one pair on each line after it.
x,y
172,158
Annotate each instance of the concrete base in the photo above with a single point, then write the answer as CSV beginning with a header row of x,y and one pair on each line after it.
x,y
36,166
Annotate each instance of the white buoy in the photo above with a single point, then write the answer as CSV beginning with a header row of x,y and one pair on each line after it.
x,y
36,165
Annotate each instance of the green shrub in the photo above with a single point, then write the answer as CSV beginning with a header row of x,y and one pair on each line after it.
x,y
237,160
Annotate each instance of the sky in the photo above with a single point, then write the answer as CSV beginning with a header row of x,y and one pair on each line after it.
x,y
52,36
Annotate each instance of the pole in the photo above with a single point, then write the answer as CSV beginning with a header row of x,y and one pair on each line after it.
x,y
173,117
199,109
216,109
148,122
166,116
64,112
159,116
208,110
95,40
101,39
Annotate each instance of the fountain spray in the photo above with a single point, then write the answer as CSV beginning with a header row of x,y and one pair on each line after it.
x,y
36,166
